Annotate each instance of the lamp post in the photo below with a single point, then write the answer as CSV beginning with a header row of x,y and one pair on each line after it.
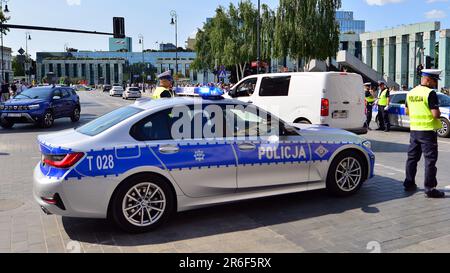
x,y
141,42
258,39
174,22
27,67
6,10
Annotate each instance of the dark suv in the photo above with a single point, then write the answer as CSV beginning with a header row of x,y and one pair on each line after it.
x,y
107,88
41,105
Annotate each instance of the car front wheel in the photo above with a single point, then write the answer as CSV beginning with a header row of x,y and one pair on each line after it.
x,y
142,204
6,124
346,174
47,120
445,131
76,115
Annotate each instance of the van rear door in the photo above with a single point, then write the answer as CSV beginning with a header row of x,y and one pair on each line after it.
x,y
346,101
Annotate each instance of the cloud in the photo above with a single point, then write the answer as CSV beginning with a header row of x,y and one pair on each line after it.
x,y
383,2
73,2
435,14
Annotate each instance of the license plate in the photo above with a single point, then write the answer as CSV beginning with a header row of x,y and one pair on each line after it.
x,y
340,115
15,115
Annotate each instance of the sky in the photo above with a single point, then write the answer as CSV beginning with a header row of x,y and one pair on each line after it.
x,y
151,18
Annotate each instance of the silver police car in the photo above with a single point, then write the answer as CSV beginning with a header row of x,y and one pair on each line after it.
x,y
139,164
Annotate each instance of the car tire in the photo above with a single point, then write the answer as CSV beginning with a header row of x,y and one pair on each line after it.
x,y
346,174
445,131
132,209
47,120
6,124
76,115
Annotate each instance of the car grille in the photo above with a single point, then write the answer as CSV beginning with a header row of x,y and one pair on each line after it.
x,y
16,108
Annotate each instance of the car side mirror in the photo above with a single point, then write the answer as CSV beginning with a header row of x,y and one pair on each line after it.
x,y
56,98
232,93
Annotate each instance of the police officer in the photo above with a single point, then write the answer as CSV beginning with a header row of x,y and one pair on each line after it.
x,y
370,101
424,113
383,107
165,86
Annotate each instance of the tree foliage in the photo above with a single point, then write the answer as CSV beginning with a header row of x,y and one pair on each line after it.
x,y
300,29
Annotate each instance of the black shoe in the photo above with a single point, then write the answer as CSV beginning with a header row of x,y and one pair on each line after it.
x,y
411,188
387,130
435,194
381,129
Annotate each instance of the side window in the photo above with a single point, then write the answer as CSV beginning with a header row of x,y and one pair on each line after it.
x,y
444,101
399,99
247,88
275,86
154,127
57,93
249,122
65,94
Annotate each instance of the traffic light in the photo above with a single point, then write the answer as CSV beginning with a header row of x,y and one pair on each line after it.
x,y
119,27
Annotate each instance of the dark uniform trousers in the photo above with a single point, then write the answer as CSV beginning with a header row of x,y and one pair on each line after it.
x,y
369,114
383,116
426,143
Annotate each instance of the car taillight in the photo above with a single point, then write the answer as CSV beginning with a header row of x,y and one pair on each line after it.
x,y
325,108
62,161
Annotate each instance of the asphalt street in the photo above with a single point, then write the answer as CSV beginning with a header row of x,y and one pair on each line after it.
x,y
381,218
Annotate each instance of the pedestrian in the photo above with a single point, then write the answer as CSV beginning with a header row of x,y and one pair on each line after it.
x,y
383,107
423,110
370,101
4,91
13,90
165,86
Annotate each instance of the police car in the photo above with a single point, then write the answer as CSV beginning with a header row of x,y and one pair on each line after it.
x,y
139,164
398,117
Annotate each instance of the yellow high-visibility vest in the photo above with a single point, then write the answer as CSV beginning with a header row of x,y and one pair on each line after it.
x,y
158,91
420,115
383,99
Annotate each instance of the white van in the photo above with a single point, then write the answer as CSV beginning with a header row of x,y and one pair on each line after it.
x,y
331,98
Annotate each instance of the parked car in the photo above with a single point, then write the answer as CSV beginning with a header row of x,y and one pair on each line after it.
x,y
107,88
132,93
41,105
116,91
399,118
331,99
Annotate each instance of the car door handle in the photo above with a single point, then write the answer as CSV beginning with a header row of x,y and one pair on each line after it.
x,y
169,149
247,147
250,102
346,102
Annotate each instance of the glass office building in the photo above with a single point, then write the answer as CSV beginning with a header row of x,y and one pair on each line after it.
x,y
348,24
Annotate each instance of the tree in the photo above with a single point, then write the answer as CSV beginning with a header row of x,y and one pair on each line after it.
x,y
307,30
18,67
4,19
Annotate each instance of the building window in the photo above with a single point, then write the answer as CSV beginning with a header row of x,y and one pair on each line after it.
x,y
42,71
58,71
91,74
116,73
108,74
100,74
83,70
75,70
187,70
50,68
67,68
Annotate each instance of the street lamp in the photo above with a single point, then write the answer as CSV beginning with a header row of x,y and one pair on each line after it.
x,y
258,39
27,68
6,10
174,22
141,42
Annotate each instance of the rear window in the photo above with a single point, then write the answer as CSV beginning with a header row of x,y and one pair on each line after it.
x,y
107,121
275,86
134,89
399,99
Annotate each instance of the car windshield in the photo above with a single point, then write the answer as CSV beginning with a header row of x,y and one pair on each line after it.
x,y
34,93
107,121
444,101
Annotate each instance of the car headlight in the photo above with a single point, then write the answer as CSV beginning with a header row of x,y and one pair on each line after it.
x,y
34,107
367,144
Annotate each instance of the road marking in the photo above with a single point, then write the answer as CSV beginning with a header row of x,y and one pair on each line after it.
x,y
390,168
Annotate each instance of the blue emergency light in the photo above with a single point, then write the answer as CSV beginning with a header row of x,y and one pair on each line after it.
x,y
205,92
